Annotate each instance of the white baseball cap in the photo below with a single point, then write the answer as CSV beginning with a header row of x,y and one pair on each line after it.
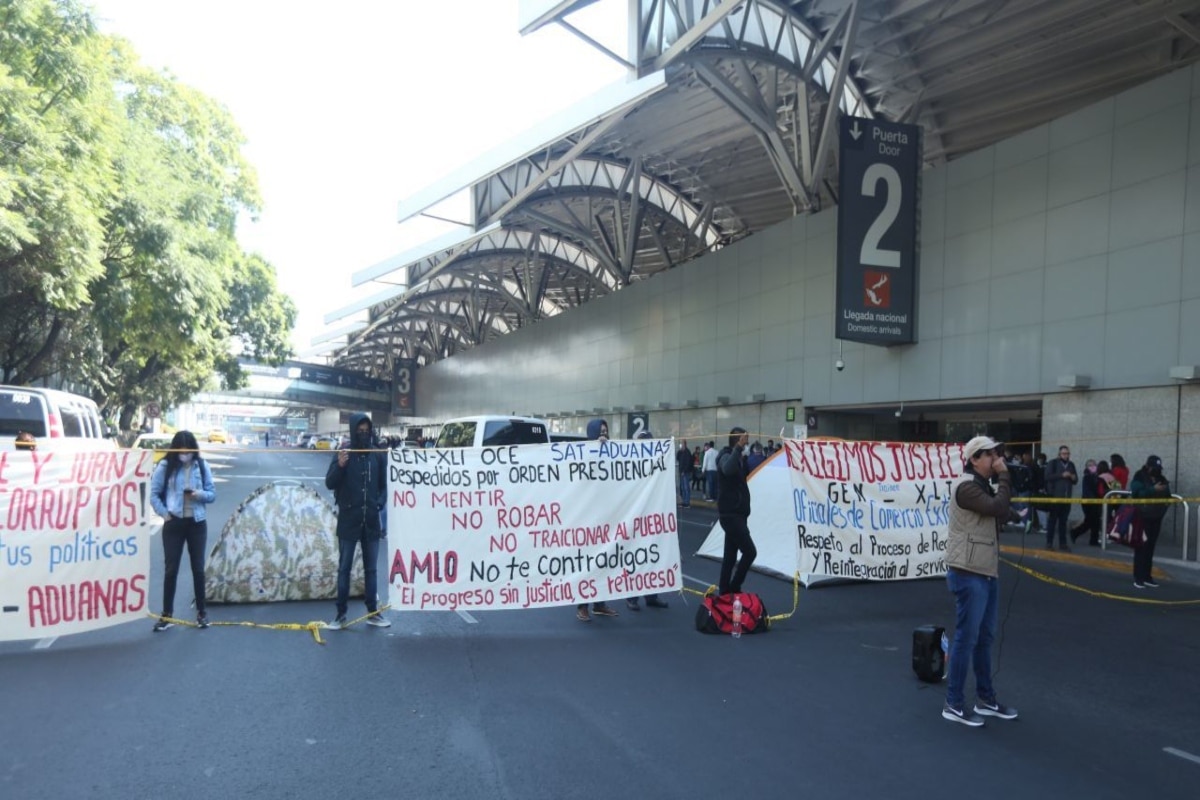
x,y
976,445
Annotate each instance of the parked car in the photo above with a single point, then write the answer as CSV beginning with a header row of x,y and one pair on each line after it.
x,y
218,436
160,443
305,440
492,431
325,443
57,420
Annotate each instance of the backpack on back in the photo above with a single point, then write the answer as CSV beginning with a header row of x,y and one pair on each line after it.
x,y
715,614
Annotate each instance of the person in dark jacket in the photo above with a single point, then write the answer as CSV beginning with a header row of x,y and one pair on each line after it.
x,y
1149,483
597,430
684,466
358,478
1089,489
733,508
756,457
1061,477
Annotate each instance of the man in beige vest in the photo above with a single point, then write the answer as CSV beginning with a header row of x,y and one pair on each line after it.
x,y
977,511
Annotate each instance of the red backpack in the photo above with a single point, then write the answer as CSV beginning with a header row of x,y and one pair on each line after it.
x,y
715,614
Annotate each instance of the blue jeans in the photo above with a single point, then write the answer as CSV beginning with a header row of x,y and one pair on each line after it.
x,y
976,601
685,487
370,557
1020,504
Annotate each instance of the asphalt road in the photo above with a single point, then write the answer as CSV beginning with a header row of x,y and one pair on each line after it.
x,y
534,704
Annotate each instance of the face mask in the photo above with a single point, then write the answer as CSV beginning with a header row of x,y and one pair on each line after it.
x,y
185,458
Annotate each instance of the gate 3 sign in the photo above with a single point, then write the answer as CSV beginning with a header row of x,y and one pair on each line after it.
x,y
877,231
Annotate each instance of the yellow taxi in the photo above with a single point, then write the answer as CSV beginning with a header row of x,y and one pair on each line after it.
x,y
218,436
326,443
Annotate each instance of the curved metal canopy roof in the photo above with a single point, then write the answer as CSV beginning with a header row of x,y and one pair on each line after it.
x,y
726,128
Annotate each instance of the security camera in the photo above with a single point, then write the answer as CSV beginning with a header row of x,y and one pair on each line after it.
x,y
841,365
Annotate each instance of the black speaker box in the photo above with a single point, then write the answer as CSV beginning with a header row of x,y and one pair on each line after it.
x,y
928,661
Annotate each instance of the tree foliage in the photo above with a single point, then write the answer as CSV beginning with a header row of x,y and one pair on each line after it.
x,y
120,192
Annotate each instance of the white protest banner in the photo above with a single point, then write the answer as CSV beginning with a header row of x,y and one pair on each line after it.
x,y
74,543
531,526
875,511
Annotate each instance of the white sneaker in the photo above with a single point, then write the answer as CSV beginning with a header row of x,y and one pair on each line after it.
x,y
379,621
337,624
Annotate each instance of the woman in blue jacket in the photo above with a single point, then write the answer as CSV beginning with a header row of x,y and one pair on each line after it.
x,y
180,489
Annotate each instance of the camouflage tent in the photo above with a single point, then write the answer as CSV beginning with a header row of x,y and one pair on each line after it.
x,y
278,545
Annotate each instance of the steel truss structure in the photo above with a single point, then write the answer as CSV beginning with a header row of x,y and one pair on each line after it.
x,y
737,134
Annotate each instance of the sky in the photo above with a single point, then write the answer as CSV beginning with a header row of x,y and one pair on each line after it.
x,y
350,107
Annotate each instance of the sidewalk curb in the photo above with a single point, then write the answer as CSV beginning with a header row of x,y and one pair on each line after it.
x,y
1112,560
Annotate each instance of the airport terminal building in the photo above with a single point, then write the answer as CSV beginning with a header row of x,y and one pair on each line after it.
x,y
672,248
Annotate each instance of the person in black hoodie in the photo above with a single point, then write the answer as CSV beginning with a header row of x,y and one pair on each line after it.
x,y
597,430
733,508
358,478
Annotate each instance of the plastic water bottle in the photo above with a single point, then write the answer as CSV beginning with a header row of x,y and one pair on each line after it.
x,y
737,618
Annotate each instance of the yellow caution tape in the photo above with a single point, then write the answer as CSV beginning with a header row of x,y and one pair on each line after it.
x,y
1037,500
1107,595
312,627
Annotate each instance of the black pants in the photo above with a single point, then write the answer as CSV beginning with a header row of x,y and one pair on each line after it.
x,y
1058,523
1090,525
177,532
737,538
1143,557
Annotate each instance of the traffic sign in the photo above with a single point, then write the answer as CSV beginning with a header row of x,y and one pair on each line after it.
x,y
879,182
636,423
153,411
404,388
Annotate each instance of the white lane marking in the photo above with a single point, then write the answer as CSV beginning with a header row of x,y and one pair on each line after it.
x,y
466,616
697,524
42,644
1182,754
696,580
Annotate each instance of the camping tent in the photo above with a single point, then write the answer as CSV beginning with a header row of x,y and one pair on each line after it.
x,y
280,544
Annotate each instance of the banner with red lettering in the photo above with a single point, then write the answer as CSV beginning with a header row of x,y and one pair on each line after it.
x,y
74,542
531,526
876,511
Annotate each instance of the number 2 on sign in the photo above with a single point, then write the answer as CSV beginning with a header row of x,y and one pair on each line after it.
x,y
871,254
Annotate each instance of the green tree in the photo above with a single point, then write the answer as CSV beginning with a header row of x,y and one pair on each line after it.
x,y
173,267
120,192
58,121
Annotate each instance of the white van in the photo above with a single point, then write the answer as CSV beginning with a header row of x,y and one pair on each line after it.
x,y
493,431
57,420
